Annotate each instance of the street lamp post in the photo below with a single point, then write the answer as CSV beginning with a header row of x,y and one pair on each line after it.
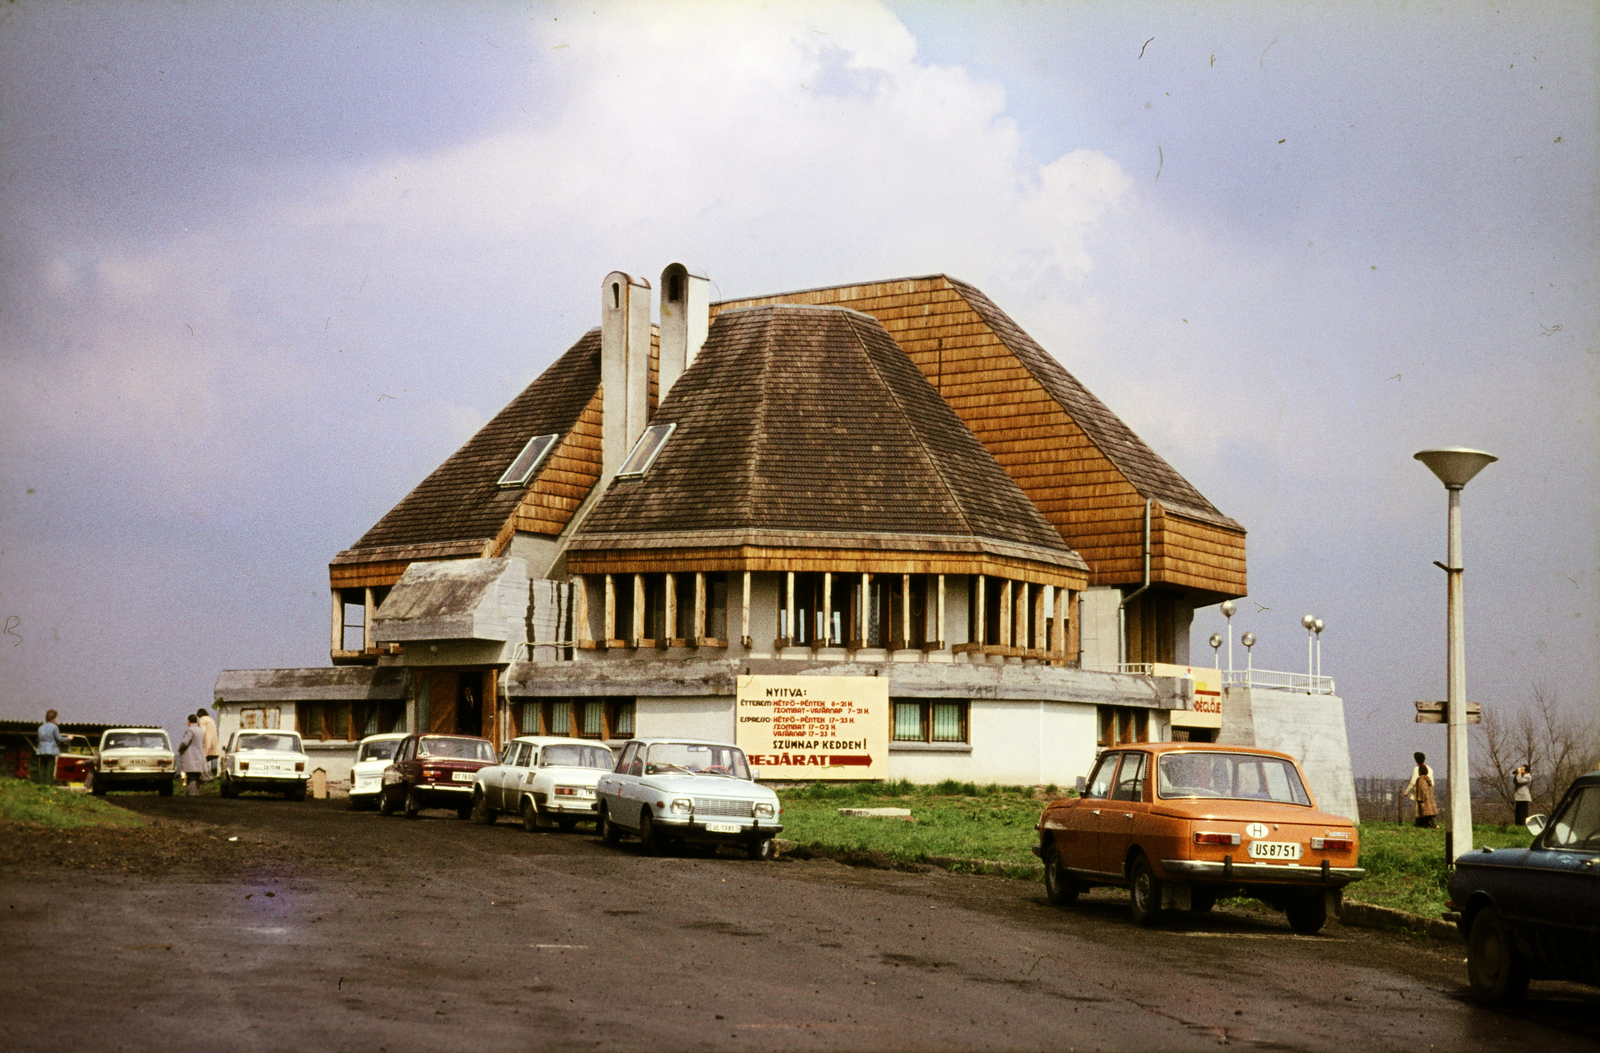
x,y
1455,467
1227,612
1309,621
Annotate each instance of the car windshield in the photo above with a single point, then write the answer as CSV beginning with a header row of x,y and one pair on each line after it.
x,y
136,740
378,750
1236,776
455,749
285,741
575,756
1577,826
697,758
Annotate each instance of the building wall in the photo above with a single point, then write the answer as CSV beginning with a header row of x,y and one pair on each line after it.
x,y
709,717
1097,611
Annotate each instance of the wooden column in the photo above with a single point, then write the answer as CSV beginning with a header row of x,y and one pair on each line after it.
x,y
1008,614
905,608
1041,635
638,611
699,608
336,643
786,633
744,621
866,609
580,610
670,630
610,626
1074,650
370,610
827,608
939,618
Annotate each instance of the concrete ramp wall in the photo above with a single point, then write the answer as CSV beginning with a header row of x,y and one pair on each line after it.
x,y
1308,727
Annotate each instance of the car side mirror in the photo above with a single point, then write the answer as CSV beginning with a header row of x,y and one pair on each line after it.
x,y
1535,824
755,774
1081,783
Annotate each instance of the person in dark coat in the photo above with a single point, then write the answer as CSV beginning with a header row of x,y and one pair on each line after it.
x,y
1522,792
192,756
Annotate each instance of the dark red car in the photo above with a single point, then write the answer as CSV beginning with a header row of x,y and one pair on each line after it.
x,y
434,771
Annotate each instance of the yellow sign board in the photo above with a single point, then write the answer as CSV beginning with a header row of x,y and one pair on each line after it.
x,y
815,727
1207,711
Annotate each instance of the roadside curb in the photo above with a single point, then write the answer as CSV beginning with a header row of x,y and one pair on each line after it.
x,y
1353,913
1372,916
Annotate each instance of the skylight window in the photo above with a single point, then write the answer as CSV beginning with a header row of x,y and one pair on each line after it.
x,y
528,460
645,450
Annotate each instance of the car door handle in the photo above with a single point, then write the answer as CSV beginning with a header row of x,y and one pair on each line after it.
x,y
1127,815
1094,811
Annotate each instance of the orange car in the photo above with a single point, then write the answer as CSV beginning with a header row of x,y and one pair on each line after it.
x,y
1181,824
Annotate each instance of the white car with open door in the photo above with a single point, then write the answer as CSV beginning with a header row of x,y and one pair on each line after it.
x,y
547,781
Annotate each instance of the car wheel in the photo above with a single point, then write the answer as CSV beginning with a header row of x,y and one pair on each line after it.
x,y
226,789
1201,900
480,811
1307,914
762,850
96,786
530,815
609,833
651,841
1495,971
1144,893
297,794
1059,889
413,806
385,804
165,789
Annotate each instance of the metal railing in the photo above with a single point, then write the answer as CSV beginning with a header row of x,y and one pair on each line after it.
x,y
1299,683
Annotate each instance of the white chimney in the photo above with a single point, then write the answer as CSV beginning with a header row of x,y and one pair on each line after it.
x,y
685,319
624,367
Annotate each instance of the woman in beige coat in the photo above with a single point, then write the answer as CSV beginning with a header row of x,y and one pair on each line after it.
x,y
1420,790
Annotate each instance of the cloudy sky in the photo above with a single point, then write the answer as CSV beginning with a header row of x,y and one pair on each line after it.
x,y
266,265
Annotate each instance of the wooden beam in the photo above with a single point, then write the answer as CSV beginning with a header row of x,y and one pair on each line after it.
x,y
337,641
369,610
744,623
699,608
979,637
670,630
1008,614
580,604
637,633
610,627
827,608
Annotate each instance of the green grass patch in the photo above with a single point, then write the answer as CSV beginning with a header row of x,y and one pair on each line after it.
x,y
949,819
1406,865
28,802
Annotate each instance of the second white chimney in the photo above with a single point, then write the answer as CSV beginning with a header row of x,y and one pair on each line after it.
x,y
624,367
685,320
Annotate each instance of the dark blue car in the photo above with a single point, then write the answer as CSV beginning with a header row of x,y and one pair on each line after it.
x,y
1534,913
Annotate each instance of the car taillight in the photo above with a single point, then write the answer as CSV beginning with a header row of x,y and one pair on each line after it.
x,y
566,791
1202,837
1333,843
432,773
109,762
244,765
299,765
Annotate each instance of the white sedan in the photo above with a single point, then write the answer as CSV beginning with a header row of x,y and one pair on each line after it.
x,y
548,781
133,759
373,754
266,760
690,791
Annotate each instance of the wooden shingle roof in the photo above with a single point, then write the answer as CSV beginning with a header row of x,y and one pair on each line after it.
x,y
1146,470
812,423
460,510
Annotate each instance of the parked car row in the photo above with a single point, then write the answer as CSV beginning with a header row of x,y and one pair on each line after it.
x,y
143,759
664,792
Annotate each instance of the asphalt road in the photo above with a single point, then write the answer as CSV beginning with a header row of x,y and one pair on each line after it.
x,y
345,930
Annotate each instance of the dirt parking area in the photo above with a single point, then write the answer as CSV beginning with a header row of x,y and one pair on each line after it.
x,y
308,926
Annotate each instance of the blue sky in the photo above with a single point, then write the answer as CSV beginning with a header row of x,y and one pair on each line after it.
x,y
267,265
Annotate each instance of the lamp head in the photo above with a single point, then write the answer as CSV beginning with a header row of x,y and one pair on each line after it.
x,y
1228,608
1248,639
1308,621
1455,465
1316,626
1216,641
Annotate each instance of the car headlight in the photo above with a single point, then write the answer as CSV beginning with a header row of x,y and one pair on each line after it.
x,y
765,810
682,806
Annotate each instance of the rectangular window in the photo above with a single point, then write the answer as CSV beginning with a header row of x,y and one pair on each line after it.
x,y
558,717
645,451
933,721
620,717
527,462
590,713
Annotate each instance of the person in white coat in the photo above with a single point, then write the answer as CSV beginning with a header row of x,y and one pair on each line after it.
x,y
192,756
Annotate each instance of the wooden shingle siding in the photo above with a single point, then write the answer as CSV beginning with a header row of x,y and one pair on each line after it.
x,y
569,473
1084,469
367,575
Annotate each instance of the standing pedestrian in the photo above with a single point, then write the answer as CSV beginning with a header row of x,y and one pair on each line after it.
x,y
51,743
1420,790
192,756
1522,797
208,727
